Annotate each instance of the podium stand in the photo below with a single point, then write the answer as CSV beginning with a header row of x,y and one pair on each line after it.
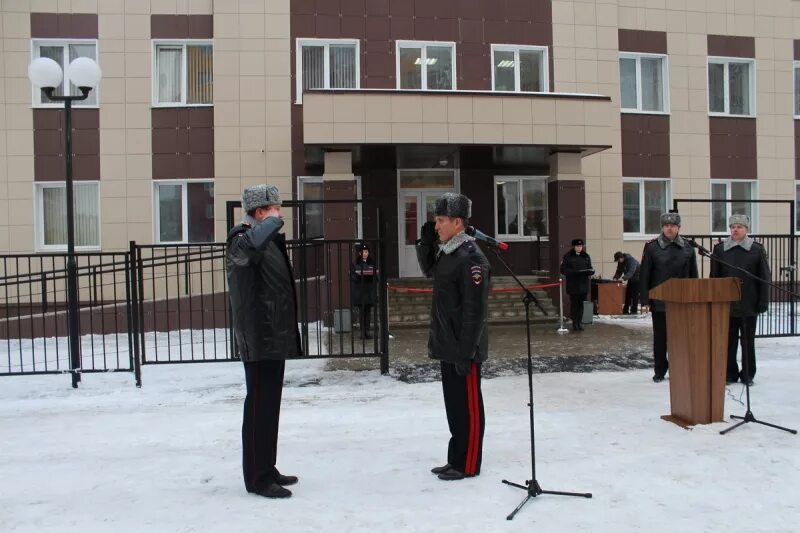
x,y
697,342
610,298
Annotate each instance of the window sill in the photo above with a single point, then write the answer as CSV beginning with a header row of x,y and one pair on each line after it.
x,y
638,237
162,106
74,106
625,111
516,238
63,249
729,115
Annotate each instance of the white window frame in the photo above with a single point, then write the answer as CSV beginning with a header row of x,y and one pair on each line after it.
x,y
39,216
318,179
643,235
664,77
326,64
753,209
155,43
36,94
544,72
795,73
726,61
424,45
184,208
518,237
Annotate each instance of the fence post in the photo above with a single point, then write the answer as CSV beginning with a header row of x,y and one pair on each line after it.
x,y
132,293
384,312
561,328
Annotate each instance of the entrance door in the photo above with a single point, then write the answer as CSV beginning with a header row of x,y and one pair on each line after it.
x,y
416,207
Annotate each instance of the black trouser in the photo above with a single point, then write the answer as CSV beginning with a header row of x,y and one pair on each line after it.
x,y
631,297
364,314
576,308
262,408
742,331
463,402
660,363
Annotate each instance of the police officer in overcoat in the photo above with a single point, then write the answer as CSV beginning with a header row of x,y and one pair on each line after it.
x,y
576,266
667,256
458,335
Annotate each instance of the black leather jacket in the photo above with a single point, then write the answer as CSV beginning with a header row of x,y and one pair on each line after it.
x,y
577,269
459,309
262,292
663,259
755,295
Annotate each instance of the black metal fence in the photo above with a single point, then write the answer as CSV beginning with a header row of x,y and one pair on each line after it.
x,y
781,318
157,304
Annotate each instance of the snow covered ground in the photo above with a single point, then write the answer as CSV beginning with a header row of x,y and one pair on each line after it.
x,y
110,457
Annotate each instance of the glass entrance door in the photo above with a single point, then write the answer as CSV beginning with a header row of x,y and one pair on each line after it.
x,y
416,208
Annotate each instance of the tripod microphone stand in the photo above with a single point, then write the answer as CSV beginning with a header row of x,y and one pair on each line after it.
x,y
531,486
748,416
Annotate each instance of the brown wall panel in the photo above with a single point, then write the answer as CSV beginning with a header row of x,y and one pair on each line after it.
x,y
183,142
646,42
731,46
645,145
797,149
567,213
797,49
733,148
64,26
48,144
181,26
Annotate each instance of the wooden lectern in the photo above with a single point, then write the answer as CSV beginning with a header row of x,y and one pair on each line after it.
x,y
697,344
610,298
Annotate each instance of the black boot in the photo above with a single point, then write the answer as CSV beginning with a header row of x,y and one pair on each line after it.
x,y
451,474
441,469
273,490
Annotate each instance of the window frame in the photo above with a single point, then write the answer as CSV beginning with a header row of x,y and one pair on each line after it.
x,y
36,94
544,72
424,80
664,82
300,42
795,93
39,244
184,209
728,205
724,60
359,205
643,235
519,237
183,43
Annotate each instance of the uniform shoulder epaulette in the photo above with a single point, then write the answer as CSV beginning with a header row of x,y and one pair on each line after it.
x,y
469,246
651,241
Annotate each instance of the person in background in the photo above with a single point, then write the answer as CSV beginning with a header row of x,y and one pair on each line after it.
x,y
628,272
363,275
667,256
742,251
576,266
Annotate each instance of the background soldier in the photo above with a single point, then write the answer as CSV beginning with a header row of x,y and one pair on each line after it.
x,y
262,296
743,252
628,272
576,265
458,334
665,257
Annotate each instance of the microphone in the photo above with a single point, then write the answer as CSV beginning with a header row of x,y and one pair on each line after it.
x,y
700,248
481,236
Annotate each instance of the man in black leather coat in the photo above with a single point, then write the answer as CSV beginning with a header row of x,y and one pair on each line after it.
x,y
263,304
458,332
665,257
743,252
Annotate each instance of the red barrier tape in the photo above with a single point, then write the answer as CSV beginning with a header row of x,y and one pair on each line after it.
x,y
499,290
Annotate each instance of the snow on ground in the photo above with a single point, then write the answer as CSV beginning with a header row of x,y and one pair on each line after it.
x,y
166,457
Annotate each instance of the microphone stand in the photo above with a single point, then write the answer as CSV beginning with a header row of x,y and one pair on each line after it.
x,y
748,416
531,486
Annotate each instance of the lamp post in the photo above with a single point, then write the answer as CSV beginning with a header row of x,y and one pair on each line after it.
x,y
85,74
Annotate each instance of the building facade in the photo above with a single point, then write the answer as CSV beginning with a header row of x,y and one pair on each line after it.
x,y
560,119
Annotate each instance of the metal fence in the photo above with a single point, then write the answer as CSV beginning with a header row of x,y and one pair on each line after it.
x,y
781,318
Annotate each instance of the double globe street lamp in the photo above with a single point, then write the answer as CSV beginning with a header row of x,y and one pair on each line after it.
x,y
84,73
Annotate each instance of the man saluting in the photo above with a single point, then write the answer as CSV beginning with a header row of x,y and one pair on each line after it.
x,y
458,335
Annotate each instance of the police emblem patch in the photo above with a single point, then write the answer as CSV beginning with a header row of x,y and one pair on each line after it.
x,y
476,274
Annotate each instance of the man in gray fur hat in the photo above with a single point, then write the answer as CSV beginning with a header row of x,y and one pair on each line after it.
x,y
743,252
667,256
263,304
458,335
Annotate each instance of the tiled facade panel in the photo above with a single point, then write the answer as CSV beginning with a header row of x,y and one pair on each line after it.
x,y
645,146
48,124
183,142
733,148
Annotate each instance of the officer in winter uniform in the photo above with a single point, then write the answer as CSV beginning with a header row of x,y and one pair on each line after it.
x,y
665,257
263,303
576,265
743,252
628,271
458,334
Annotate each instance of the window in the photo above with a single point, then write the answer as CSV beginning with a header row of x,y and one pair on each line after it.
x,y
63,53
519,68
731,86
426,66
184,211
797,89
51,215
732,190
184,74
327,65
644,86
643,202
520,207
310,188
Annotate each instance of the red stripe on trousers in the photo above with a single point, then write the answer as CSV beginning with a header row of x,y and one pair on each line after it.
x,y
474,425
